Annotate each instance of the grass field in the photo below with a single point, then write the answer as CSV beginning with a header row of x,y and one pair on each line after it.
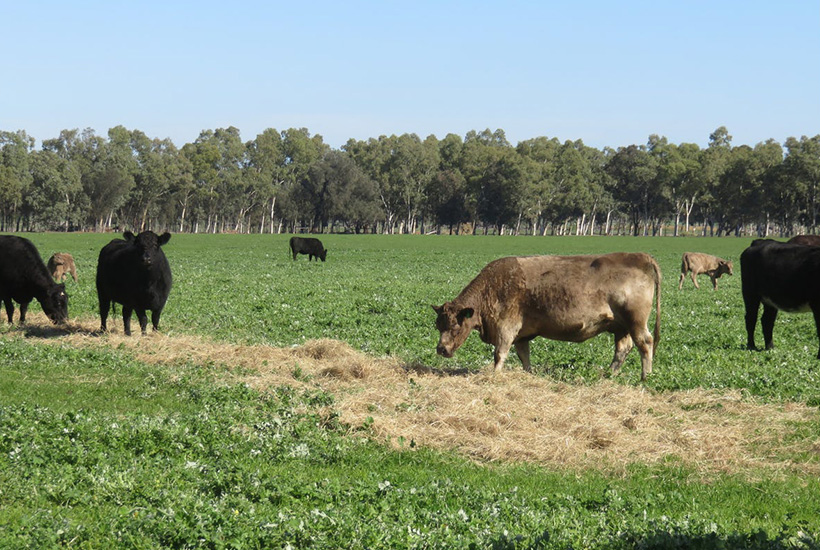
x,y
247,423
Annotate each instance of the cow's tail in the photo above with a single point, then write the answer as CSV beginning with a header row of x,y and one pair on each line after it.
x,y
656,336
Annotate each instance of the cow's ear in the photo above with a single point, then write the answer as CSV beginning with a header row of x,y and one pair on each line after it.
x,y
466,313
164,238
128,236
437,309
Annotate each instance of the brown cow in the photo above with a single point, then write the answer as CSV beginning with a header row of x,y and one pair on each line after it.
x,y
570,298
807,240
61,263
698,262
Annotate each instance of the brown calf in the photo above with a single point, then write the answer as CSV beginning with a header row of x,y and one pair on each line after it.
x,y
61,263
697,263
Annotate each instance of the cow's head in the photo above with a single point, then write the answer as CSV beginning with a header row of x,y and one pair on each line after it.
x,y
724,267
148,244
55,304
323,254
455,323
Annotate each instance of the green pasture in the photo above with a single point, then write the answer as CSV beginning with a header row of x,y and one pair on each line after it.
x,y
99,450
375,293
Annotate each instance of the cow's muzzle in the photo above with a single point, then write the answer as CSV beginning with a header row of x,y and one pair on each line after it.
x,y
444,351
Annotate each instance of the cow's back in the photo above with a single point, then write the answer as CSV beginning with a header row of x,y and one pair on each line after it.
x,y
806,240
21,267
783,274
575,297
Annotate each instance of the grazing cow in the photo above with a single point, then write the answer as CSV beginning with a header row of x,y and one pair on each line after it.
x,y
307,245
60,264
24,277
570,298
808,240
783,277
134,273
697,263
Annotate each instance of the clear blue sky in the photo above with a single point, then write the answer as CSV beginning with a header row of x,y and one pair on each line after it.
x,y
610,73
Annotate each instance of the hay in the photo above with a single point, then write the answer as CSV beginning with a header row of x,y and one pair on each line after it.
x,y
505,416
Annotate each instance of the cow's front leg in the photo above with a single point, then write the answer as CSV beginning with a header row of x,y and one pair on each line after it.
x,y
505,340
23,310
714,282
695,280
500,355
522,348
767,324
9,308
623,344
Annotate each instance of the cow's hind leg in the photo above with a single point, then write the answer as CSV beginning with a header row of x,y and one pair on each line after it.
x,y
643,340
23,310
105,307
815,309
126,319
522,348
143,319
155,313
767,324
623,344
695,280
752,307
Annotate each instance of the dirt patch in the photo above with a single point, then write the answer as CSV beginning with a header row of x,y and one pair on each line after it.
x,y
506,416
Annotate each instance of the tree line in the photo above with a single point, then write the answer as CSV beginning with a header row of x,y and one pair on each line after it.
x,y
291,181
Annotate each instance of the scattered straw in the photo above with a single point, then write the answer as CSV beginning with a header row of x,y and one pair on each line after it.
x,y
506,416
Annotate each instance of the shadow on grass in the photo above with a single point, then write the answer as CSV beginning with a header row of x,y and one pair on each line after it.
x,y
57,331
418,368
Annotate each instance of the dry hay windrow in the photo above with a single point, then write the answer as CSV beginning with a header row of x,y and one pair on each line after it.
x,y
506,416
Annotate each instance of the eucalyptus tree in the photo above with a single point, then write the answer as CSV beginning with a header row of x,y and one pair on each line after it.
x,y
713,163
635,172
495,175
161,170
743,189
679,170
301,151
540,159
335,189
55,199
801,168
446,193
106,168
203,156
496,179
266,169
15,175
410,168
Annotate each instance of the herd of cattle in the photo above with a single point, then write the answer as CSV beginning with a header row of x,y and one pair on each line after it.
x,y
510,302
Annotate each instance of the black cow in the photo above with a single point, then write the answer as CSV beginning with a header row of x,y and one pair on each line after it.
x,y
24,276
134,273
782,276
308,245
808,240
